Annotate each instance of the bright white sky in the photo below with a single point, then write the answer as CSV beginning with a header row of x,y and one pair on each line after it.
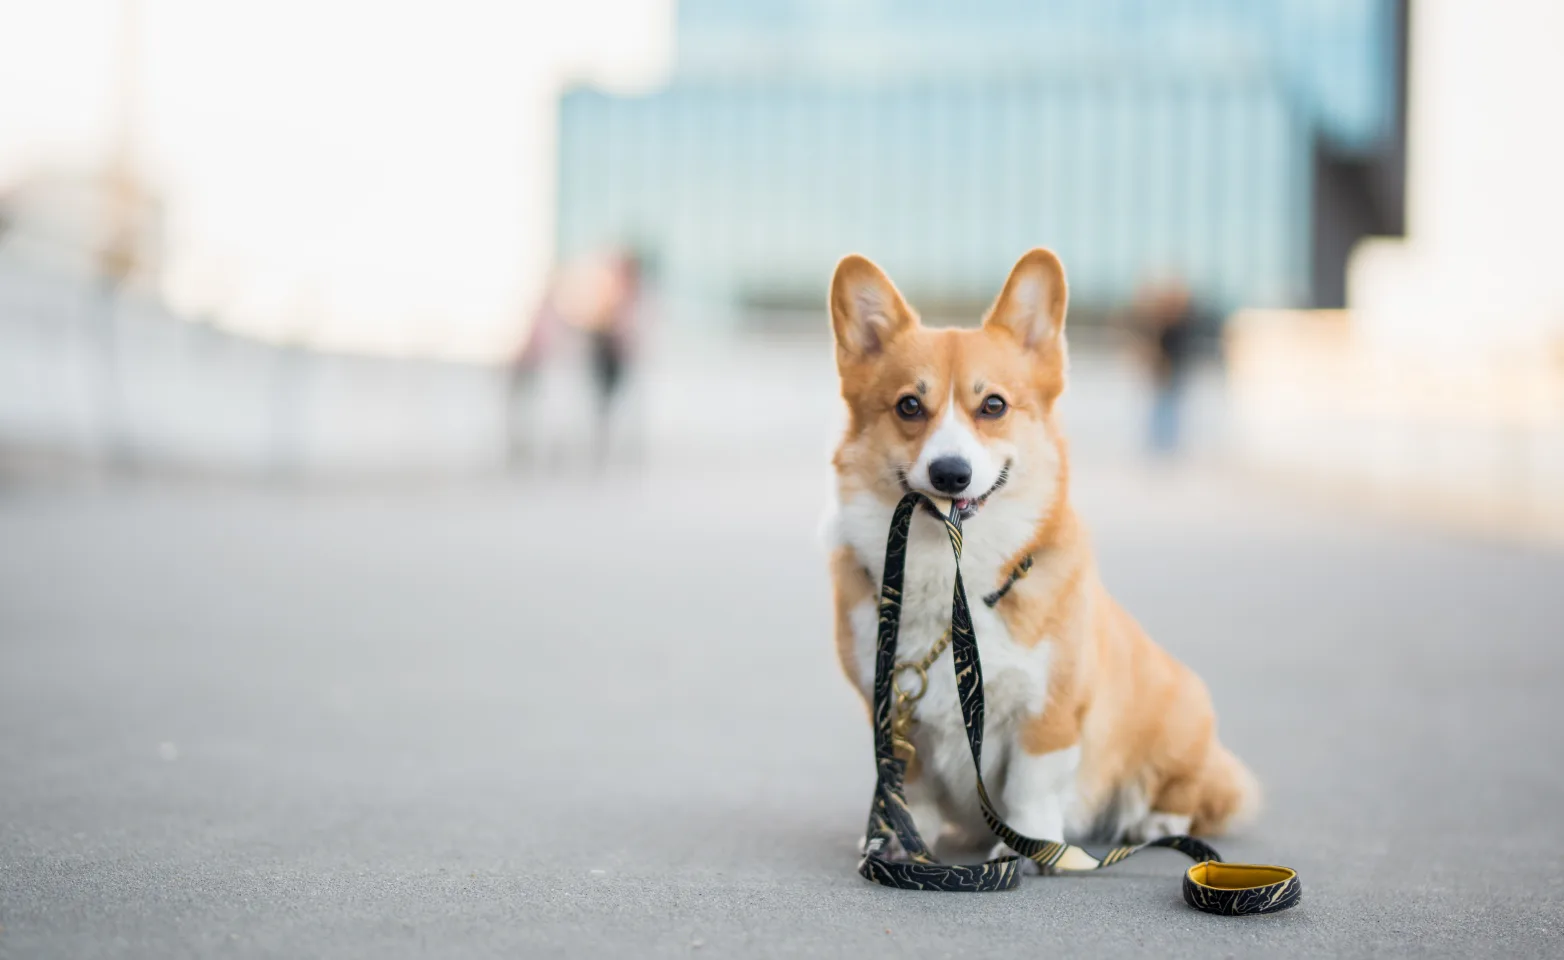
x,y
384,168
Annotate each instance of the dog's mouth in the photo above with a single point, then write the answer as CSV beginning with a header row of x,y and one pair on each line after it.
x,y
966,507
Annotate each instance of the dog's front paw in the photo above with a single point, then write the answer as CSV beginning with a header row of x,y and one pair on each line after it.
x,y
887,849
1073,858
1155,826
1027,866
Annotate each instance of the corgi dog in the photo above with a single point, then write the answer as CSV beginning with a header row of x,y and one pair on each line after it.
x,y
1093,733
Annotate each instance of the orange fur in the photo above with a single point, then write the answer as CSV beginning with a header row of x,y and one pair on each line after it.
x,y
1141,718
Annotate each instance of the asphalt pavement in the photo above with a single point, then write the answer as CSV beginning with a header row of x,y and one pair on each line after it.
x,y
576,716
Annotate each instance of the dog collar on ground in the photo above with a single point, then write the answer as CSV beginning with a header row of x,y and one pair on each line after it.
x,y
1236,889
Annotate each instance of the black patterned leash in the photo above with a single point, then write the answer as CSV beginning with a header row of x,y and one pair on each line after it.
x,y
889,813
889,817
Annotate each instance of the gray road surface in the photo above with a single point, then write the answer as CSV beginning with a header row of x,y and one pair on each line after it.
x,y
596,718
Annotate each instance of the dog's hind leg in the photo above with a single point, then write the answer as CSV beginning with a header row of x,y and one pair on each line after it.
x,y
1218,795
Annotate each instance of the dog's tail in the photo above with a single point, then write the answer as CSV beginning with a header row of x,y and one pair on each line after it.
x,y
1230,796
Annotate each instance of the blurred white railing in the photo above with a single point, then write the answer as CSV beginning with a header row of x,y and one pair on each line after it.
x,y
116,379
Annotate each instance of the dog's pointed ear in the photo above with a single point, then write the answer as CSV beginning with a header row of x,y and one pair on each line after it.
x,y
1032,304
867,311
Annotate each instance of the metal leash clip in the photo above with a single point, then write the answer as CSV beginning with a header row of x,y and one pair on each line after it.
x,y
903,718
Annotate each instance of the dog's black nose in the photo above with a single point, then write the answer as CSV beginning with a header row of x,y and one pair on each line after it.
x,y
950,474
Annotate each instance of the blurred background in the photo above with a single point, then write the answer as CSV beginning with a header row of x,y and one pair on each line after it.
x,y
352,353
1310,238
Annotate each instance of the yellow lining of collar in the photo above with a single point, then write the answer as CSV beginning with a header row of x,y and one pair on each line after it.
x,y
1239,876
1235,889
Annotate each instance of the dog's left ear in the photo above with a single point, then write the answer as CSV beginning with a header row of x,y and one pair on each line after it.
x,y
1031,306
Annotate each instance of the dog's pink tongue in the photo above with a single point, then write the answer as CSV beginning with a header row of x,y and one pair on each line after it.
x,y
963,504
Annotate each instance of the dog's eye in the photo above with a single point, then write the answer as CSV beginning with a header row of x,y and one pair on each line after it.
x,y
993,405
909,408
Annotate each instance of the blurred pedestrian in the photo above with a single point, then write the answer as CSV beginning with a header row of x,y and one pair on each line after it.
x,y
590,314
1165,318
605,299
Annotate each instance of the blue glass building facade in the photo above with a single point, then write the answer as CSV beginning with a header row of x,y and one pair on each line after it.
x,y
1199,137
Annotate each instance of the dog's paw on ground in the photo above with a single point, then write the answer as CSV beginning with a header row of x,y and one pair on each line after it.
x,y
1073,859
889,849
1027,866
1155,826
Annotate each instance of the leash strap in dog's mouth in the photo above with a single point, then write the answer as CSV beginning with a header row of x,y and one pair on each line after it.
x,y
889,816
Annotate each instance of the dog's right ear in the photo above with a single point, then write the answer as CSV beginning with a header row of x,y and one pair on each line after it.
x,y
867,311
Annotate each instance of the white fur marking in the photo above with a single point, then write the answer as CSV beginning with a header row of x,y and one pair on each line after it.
x,y
953,438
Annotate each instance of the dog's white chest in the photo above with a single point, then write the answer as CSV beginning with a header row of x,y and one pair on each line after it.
x,y
1015,676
